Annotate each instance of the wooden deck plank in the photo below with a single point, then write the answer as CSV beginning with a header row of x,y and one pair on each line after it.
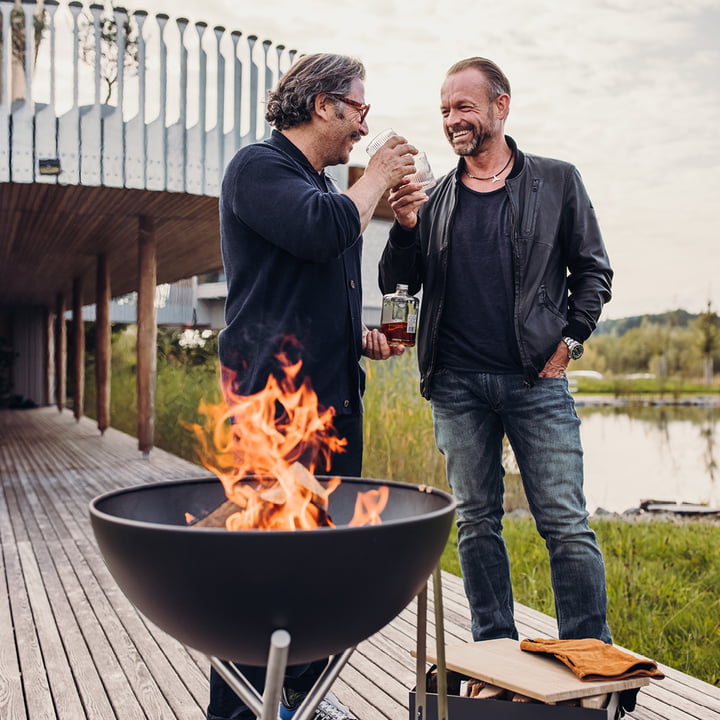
x,y
161,658
35,688
67,610
72,645
12,704
171,660
81,586
87,651
44,601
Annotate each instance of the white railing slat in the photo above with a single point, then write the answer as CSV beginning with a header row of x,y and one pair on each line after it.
x,y
109,141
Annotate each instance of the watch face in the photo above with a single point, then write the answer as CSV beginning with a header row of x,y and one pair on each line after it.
x,y
575,348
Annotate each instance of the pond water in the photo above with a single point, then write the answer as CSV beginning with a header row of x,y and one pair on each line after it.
x,y
669,453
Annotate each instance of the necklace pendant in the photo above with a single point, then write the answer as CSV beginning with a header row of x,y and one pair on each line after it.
x,y
495,178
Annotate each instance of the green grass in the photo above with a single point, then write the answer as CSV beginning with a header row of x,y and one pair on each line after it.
x,y
177,397
653,387
662,579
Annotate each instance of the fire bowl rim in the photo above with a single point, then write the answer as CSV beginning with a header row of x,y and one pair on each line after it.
x,y
117,519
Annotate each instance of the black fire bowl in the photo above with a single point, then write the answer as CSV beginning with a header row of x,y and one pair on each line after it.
x,y
224,592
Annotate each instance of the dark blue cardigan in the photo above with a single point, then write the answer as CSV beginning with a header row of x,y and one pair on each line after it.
x,y
291,247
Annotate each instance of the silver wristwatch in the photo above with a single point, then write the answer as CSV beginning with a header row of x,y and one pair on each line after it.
x,y
576,348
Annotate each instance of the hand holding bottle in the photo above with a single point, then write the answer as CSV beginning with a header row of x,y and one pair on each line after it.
x,y
376,347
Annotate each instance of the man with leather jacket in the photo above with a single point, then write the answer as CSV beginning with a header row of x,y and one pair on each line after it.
x,y
514,274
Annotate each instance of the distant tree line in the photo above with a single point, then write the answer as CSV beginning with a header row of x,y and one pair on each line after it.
x,y
676,318
673,344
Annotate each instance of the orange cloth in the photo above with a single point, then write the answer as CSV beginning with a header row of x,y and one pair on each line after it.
x,y
592,659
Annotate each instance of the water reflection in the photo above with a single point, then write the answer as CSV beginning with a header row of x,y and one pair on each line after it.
x,y
661,453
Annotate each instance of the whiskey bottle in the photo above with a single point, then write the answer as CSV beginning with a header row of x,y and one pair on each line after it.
x,y
398,320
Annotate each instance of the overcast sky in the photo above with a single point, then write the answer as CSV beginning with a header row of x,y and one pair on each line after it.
x,y
627,90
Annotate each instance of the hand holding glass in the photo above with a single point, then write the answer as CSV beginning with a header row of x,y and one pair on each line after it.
x,y
379,140
423,173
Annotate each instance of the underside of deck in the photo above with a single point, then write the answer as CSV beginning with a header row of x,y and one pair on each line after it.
x,y
72,646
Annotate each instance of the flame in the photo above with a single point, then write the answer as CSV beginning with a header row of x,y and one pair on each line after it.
x,y
369,505
280,436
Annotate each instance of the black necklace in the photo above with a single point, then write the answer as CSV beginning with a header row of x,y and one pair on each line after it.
x,y
494,177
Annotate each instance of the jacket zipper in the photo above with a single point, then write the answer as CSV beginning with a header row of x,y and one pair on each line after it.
x,y
527,367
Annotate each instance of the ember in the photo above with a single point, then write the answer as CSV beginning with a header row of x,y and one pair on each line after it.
x,y
278,438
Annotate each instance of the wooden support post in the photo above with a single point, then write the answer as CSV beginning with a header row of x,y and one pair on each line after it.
x,y
102,344
60,353
78,349
49,356
147,333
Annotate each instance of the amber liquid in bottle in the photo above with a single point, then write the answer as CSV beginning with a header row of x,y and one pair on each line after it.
x,y
398,321
397,334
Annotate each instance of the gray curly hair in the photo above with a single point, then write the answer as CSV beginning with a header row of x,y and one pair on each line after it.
x,y
291,101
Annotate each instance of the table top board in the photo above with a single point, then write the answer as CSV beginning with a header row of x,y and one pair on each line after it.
x,y
502,662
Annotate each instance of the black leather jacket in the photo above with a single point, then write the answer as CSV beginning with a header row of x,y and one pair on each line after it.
x,y
562,271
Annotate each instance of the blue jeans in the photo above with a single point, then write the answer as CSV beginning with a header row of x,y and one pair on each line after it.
x,y
471,414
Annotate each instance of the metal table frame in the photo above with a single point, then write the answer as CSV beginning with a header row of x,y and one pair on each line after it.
x,y
421,652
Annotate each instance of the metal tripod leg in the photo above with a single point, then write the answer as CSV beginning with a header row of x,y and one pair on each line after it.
x,y
239,684
266,706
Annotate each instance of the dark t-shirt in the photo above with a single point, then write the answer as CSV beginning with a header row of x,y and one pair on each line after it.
x,y
477,325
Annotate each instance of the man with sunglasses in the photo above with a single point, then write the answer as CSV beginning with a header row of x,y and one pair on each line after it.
x,y
291,245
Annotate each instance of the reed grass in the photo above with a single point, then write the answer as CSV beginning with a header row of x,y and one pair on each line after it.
x,y
398,430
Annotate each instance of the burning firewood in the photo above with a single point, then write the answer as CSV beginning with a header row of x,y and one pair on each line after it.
x,y
262,436
218,517
298,477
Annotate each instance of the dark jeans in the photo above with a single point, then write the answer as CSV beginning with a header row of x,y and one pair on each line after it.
x,y
224,703
472,412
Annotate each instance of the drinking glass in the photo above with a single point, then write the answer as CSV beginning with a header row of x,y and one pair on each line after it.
x,y
379,140
423,172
